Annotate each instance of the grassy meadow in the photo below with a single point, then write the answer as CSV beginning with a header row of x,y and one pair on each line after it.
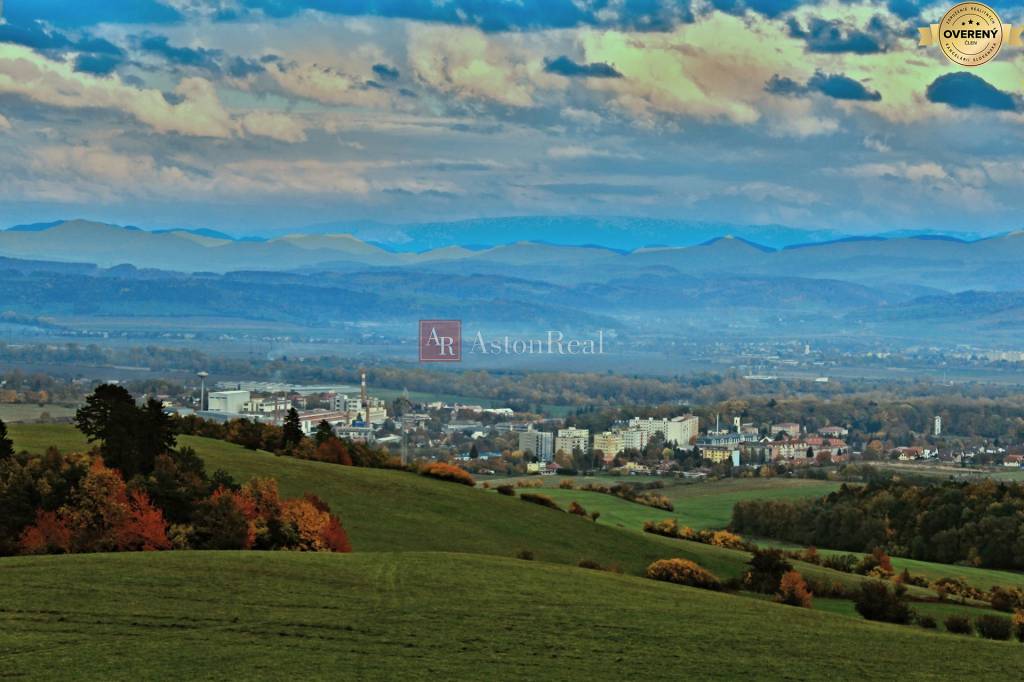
x,y
434,589
413,615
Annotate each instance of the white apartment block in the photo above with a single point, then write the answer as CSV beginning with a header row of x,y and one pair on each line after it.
x,y
635,439
572,439
540,443
679,430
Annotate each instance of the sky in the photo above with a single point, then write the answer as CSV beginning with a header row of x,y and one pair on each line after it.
x,y
252,116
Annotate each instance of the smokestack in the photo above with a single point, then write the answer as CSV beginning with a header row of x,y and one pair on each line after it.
x,y
363,396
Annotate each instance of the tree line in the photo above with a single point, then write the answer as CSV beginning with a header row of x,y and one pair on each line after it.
x,y
978,523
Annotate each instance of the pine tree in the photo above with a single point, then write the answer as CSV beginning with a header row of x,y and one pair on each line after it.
x,y
324,432
6,444
292,433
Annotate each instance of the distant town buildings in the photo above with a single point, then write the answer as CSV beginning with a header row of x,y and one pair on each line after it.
x,y
572,439
227,401
538,443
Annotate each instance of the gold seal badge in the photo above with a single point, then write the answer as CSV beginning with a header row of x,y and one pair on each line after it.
x,y
970,34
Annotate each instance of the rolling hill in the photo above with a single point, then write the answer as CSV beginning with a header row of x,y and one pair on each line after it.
x,y
413,615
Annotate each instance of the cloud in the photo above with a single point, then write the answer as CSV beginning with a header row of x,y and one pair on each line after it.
x,y
323,84
90,12
385,72
573,152
769,8
98,64
183,56
835,36
962,90
563,66
496,15
274,125
464,63
836,86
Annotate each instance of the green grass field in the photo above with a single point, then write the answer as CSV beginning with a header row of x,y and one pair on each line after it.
x,y
11,413
709,504
411,616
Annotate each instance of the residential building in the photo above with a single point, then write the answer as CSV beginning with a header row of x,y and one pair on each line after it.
x,y
634,439
539,443
791,429
572,439
720,453
833,432
609,443
678,430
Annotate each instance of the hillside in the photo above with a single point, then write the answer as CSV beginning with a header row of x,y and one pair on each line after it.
x,y
429,616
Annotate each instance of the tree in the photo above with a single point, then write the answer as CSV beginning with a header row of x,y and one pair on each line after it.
x,y
767,566
109,416
292,433
6,444
474,453
324,431
793,590
877,602
154,436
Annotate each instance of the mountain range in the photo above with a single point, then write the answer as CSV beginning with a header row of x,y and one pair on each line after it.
x,y
940,284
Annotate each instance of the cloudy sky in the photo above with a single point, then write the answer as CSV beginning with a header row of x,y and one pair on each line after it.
x,y
258,115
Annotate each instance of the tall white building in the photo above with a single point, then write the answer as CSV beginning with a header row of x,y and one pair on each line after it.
x,y
635,439
540,443
938,425
679,430
572,439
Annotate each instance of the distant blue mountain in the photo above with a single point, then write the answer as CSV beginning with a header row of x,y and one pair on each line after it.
x,y
35,227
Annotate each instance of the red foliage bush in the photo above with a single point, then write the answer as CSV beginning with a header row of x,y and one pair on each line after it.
x,y
448,472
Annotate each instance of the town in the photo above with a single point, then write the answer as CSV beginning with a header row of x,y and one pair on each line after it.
x,y
502,441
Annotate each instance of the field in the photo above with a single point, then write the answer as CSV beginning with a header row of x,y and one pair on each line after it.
x,y
19,413
410,616
433,589
697,505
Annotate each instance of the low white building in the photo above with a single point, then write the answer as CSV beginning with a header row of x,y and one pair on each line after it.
x,y
227,401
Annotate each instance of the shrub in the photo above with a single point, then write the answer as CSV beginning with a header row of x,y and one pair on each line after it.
x,y
567,484
877,602
1018,624
960,625
907,579
793,591
957,587
1008,600
525,555
576,508
991,626
829,588
656,501
811,556
767,567
448,472
877,563
529,483
590,563
927,622
840,562
683,572
594,516
506,490
542,500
